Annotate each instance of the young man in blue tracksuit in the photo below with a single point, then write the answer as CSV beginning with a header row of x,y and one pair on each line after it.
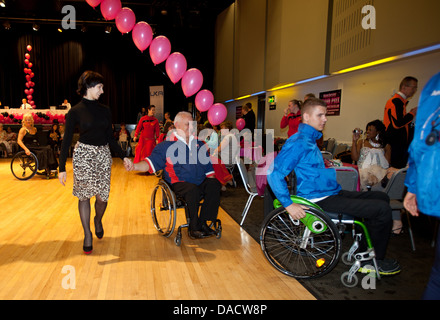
x,y
318,184
422,177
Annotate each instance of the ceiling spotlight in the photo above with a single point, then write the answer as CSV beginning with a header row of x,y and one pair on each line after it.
x,y
108,29
60,30
2,3
35,27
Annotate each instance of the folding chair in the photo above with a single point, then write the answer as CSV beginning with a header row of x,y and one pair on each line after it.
x,y
249,186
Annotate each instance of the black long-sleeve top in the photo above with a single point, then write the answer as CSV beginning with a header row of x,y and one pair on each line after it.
x,y
95,128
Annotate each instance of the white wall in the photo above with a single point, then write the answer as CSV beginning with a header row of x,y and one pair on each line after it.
x,y
364,94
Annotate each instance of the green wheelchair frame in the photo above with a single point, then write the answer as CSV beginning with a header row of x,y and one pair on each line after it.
x,y
311,247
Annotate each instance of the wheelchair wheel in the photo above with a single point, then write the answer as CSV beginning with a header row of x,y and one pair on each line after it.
x,y
163,209
304,249
24,166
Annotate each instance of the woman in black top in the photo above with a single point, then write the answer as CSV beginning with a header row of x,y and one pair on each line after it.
x,y
92,159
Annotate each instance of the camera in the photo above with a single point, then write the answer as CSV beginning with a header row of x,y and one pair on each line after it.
x,y
358,131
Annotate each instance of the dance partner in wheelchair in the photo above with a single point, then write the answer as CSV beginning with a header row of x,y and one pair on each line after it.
x,y
188,171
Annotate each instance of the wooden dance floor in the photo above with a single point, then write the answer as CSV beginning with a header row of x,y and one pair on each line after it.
x,y
41,250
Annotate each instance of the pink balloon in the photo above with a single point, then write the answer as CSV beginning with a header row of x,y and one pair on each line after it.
x,y
204,100
93,3
241,123
125,20
192,81
29,48
160,49
110,8
176,66
142,35
217,114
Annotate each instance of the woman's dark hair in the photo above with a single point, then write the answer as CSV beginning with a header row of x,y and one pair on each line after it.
x,y
151,107
380,128
88,79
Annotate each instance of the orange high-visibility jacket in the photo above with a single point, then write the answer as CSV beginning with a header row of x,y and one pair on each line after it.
x,y
396,119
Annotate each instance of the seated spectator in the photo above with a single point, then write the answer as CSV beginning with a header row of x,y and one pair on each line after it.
x,y
319,185
4,144
372,154
11,138
54,138
187,168
165,135
292,117
28,140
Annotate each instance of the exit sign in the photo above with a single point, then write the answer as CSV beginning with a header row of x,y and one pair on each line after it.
x,y
272,99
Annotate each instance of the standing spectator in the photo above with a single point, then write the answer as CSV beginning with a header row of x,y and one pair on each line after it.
x,y
292,117
249,117
397,122
424,164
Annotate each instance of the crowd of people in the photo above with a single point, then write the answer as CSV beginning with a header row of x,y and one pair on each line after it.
x,y
194,157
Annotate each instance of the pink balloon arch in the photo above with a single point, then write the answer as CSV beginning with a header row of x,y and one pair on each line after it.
x,y
160,51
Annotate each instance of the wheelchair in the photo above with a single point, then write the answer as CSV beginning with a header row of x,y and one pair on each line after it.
x,y
24,166
164,206
310,248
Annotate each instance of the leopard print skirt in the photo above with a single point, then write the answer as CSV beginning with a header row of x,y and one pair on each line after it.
x,y
91,171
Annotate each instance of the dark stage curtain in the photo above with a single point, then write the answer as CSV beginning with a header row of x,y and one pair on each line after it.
x,y
60,58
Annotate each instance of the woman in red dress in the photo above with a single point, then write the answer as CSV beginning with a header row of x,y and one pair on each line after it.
x,y
149,131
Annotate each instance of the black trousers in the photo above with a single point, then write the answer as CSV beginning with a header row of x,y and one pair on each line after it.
x,y
372,206
209,190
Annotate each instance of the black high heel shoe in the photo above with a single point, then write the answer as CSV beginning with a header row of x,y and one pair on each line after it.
x,y
88,250
99,234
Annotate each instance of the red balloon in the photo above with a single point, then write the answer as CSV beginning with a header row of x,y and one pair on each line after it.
x,y
192,81
176,66
94,3
204,100
160,49
26,91
27,56
26,61
29,97
28,78
110,9
142,35
31,91
125,20
29,48
30,65
217,114
241,123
